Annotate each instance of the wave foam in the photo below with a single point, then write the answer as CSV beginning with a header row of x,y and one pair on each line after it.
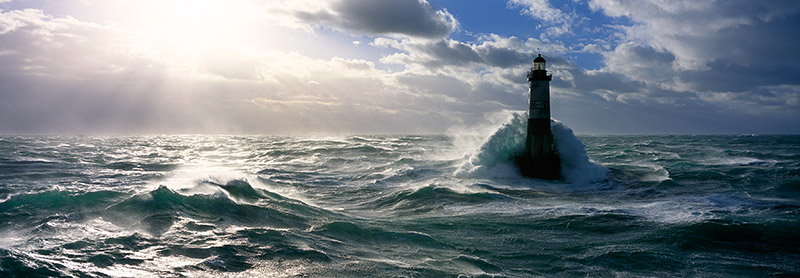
x,y
494,159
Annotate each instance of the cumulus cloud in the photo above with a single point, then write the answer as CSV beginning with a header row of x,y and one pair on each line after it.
x,y
555,21
699,32
479,77
60,74
733,53
415,18
678,66
490,51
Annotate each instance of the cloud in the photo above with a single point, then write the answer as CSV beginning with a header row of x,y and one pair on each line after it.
x,y
699,32
490,51
730,54
556,21
62,75
763,98
39,35
415,18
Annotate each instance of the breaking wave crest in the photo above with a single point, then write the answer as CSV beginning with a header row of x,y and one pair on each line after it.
x,y
391,206
494,159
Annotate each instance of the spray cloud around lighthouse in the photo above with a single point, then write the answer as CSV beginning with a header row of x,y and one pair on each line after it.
x,y
495,157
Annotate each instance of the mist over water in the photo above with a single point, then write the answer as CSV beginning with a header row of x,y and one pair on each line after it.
x,y
398,206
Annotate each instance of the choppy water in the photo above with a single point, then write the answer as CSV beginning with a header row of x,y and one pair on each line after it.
x,y
397,206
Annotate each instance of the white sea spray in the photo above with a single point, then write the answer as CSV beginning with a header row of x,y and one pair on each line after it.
x,y
494,158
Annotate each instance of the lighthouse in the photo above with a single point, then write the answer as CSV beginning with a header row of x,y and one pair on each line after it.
x,y
540,159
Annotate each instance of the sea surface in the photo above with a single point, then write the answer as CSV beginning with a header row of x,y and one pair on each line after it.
x,y
398,206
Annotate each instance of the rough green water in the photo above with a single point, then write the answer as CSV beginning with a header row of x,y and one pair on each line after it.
x,y
397,206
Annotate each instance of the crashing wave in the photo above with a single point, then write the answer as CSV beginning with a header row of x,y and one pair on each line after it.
x,y
494,159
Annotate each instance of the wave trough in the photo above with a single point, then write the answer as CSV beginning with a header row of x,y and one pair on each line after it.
x,y
397,206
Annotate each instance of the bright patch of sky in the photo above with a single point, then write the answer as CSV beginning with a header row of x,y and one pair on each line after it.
x,y
395,66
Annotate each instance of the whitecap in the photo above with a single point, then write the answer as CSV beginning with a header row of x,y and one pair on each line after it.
x,y
494,158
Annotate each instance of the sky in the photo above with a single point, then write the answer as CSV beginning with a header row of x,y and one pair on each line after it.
x,y
297,67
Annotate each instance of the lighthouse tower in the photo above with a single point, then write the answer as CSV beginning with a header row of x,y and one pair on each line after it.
x,y
540,159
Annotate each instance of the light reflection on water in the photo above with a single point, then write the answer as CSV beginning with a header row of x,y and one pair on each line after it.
x,y
243,206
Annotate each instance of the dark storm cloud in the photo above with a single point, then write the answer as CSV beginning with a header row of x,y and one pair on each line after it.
x,y
768,56
407,17
587,81
504,57
455,53
731,61
688,36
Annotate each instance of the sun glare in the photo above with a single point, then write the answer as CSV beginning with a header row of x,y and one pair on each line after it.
x,y
199,21
193,27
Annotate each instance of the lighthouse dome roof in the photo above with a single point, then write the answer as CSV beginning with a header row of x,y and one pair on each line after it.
x,y
538,59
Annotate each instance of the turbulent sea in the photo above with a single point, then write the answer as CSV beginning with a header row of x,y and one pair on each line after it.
x,y
398,206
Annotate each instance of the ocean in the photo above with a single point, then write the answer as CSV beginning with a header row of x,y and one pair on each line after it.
x,y
399,206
